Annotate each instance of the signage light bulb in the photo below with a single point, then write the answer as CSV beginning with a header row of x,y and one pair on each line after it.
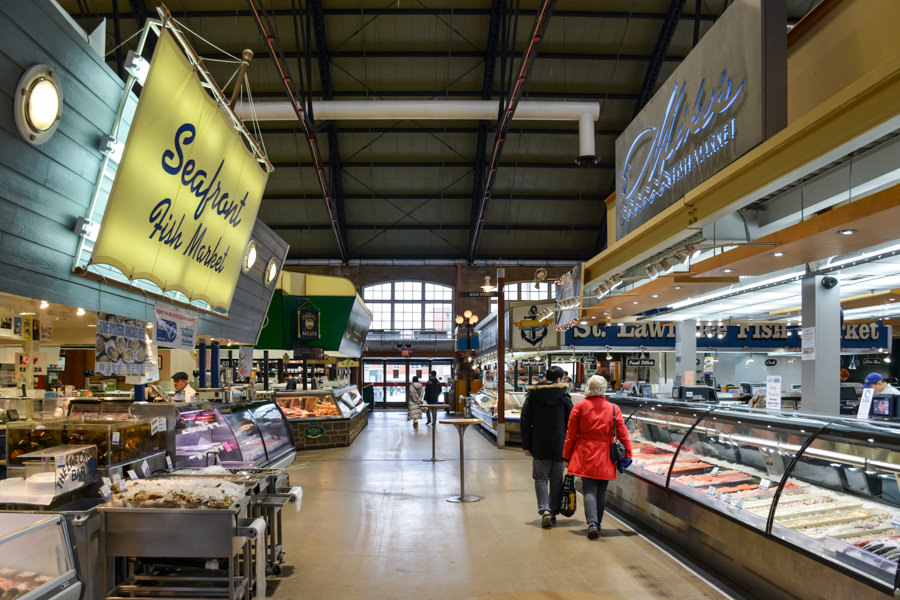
x,y
42,104
250,256
271,272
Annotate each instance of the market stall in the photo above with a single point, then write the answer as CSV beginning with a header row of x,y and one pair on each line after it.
x,y
788,493
324,418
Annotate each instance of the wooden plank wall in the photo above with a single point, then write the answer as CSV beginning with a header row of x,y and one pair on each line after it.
x,y
44,189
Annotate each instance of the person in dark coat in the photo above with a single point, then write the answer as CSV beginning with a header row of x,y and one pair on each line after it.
x,y
543,421
433,391
592,424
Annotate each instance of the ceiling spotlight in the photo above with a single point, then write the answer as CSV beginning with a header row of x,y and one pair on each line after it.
x,y
846,231
693,250
778,254
682,257
728,270
601,291
614,282
677,287
44,304
654,296
149,325
652,271
667,265
80,312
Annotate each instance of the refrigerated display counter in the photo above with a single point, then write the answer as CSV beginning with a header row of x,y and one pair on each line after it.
x,y
324,418
761,496
36,558
245,435
483,405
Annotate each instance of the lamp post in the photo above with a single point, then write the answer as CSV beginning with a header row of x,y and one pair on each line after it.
x,y
467,319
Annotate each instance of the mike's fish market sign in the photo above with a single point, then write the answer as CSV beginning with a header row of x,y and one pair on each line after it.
x,y
727,96
658,334
187,191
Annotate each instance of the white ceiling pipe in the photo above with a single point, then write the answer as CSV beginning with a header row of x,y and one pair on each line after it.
x,y
586,113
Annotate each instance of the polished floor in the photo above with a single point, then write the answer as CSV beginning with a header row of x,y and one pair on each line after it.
x,y
374,523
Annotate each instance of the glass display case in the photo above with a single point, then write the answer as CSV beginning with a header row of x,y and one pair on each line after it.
x,y
825,486
244,435
109,408
484,406
36,559
14,409
117,441
341,403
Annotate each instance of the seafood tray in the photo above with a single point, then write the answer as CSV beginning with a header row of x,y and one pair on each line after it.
x,y
814,509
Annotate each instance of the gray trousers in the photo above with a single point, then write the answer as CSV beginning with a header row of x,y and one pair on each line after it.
x,y
594,491
548,473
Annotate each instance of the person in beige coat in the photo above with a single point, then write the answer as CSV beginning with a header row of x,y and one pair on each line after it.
x,y
414,399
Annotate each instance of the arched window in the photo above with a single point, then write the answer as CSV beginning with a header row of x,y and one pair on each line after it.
x,y
410,306
526,290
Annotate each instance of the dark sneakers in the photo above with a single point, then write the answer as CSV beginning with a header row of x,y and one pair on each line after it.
x,y
547,519
553,519
593,531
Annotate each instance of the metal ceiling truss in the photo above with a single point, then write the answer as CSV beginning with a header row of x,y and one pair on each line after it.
x,y
451,54
436,196
267,32
538,30
667,31
434,227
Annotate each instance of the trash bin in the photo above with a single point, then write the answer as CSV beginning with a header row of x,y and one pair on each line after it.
x,y
85,525
369,396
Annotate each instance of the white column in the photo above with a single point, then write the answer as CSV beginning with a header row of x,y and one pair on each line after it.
x,y
685,352
821,343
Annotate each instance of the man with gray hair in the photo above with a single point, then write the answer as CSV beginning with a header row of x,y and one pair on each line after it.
x,y
545,414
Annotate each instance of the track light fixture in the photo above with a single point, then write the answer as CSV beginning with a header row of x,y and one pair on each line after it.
x,y
652,271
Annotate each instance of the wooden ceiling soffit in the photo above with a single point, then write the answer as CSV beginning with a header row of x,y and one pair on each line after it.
x,y
814,239
663,288
862,301
835,124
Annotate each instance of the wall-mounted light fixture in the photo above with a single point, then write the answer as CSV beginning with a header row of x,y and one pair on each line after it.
x,y
38,104
249,256
271,272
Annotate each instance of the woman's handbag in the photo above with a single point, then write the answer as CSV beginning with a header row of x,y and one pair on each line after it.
x,y
568,504
616,450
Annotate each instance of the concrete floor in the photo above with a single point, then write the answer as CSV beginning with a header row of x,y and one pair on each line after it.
x,y
375,524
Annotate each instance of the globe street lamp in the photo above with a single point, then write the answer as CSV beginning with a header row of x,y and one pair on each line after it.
x,y
467,319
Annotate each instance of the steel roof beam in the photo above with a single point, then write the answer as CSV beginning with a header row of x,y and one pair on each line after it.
x,y
439,227
451,55
667,31
447,164
452,130
435,196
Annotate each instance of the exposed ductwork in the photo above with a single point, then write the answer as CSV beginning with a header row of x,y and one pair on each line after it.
x,y
586,113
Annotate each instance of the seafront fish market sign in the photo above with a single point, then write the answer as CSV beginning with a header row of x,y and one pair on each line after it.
x,y
720,102
186,194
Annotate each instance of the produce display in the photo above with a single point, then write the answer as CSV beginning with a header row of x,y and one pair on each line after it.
x,y
181,492
14,583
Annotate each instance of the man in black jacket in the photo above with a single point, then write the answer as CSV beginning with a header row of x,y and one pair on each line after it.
x,y
545,415
433,391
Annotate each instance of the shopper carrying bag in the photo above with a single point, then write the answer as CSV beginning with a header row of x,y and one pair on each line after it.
x,y
568,503
594,425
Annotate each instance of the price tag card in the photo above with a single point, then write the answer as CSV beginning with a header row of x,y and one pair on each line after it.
x,y
714,471
145,469
116,478
711,491
60,461
895,520
765,484
739,502
865,403
115,438
132,475
105,491
106,481
123,486
169,462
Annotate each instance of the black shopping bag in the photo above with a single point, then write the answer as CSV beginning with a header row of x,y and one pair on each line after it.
x,y
568,504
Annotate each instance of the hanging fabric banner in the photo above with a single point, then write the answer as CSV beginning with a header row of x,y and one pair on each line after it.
x,y
174,327
308,324
121,348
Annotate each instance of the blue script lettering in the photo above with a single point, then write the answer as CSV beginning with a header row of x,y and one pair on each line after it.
x,y
194,179
656,159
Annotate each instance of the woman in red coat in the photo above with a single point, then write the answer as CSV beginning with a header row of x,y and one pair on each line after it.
x,y
588,438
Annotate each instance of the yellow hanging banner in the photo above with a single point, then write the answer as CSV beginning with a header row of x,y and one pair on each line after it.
x,y
186,193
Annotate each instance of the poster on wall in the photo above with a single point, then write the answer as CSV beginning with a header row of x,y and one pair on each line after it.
x,y
17,326
187,190
174,327
530,332
46,333
26,328
121,346
308,324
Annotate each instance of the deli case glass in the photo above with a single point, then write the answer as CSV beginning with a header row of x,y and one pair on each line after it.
x,y
340,403
36,558
825,486
244,435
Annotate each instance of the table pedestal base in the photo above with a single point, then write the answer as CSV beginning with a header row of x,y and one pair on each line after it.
x,y
458,499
